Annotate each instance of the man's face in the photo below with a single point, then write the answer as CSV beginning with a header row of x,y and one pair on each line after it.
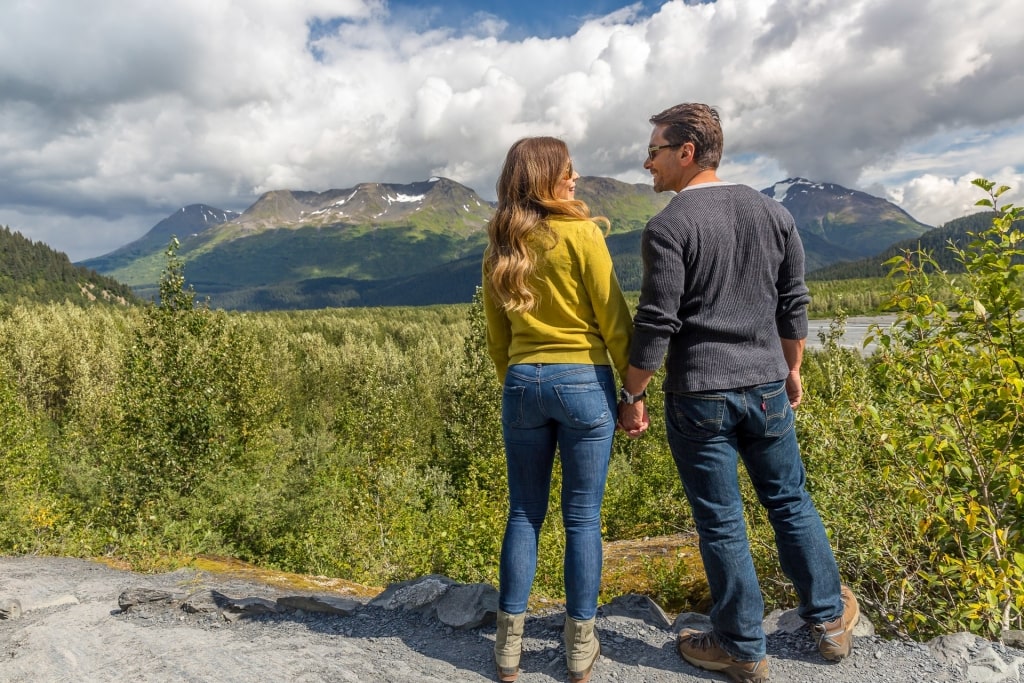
x,y
665,164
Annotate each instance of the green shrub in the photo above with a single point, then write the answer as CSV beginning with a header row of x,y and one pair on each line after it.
x,y
957,376
195,405
30,514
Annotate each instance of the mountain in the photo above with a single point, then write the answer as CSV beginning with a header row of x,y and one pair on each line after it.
x,y
628,206
421,243
33,272
142,261
369,232
937,242
839,224
298,249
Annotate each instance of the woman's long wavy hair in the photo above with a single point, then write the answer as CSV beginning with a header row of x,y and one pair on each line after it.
x,y
519,229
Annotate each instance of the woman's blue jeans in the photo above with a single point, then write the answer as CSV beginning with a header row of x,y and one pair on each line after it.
x,y
572,407
706,430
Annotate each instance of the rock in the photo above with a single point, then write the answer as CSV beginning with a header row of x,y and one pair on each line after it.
x,y
1013,638
974,657
701,622
468,606
203,601
865,627
784,621
141,596
320,603
637,606
10,608
248,606
415,594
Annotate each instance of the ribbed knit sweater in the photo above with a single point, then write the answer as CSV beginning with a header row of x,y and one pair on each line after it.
x,y
581,316
723,281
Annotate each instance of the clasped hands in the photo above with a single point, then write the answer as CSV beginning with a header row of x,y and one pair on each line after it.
x,y
633,418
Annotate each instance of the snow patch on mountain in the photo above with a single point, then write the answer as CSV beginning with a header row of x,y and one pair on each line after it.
x,y
789,187
407,198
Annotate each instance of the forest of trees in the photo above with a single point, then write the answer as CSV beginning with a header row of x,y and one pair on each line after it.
x,y
32,271
366,444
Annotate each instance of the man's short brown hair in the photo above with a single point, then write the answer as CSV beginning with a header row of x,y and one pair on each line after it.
x,y
696,123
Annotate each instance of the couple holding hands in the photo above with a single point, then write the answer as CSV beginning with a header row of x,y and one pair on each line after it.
x,y
723,305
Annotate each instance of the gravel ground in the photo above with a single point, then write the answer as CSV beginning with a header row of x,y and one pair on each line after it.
x,y
73,630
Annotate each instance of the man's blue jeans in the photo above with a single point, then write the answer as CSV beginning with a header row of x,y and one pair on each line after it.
x,y
572,407
706,430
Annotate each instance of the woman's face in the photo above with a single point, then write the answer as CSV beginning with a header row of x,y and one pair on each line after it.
x,y
565,188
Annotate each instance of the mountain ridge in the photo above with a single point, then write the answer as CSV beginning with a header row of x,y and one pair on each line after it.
x,y
390,243
824,213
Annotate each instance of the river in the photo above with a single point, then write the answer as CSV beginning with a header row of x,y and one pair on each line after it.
x,y
853,336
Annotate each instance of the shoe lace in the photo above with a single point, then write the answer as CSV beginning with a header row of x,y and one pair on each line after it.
x,y
829,631
704,641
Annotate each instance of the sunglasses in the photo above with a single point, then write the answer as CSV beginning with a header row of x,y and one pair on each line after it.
x,y
654,149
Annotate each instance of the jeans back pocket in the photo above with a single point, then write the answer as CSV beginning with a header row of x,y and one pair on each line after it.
x,y
698,416
512,397
585,405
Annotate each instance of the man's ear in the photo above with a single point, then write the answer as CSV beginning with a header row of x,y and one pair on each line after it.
x,y
687,149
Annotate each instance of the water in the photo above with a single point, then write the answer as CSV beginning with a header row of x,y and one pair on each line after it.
x,y
853,336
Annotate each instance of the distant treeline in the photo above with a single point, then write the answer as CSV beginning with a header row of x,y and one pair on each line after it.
x,y
31,271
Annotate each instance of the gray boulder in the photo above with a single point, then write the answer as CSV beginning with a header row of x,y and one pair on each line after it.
x,y
635,606
324,604
468,606
974,657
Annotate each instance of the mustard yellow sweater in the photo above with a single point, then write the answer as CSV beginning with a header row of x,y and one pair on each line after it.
x,y
581,315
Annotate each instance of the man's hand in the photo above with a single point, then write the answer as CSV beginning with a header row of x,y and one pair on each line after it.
x,y
633,418
794,388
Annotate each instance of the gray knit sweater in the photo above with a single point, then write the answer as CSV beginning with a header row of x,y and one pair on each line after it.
x,y
723,281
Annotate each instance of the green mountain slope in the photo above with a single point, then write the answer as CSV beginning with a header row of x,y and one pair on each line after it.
x,y
840,224
33,272
935,241
141,262
627,206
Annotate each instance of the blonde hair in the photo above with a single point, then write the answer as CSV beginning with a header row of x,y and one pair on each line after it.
x,y
519,231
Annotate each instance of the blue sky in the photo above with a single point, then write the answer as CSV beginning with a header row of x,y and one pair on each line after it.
x,y
525,18
114,115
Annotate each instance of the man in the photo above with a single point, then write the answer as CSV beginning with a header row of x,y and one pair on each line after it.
x,y
724,304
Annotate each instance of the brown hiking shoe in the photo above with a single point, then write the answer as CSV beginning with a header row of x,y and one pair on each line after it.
x,y
701,649
835,638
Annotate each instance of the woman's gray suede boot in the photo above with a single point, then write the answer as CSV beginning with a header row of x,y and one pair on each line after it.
x,y
508,645
581,649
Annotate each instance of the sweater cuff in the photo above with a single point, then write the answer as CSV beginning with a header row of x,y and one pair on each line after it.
x,y
647,351
793,328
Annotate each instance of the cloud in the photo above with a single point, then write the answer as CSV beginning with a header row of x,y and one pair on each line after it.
x,y
115,114
938,199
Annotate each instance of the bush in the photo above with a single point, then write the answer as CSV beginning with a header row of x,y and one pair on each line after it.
x,y
196,408
957,376
30,514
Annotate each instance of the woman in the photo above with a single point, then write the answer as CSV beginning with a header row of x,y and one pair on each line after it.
x,y
555,314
